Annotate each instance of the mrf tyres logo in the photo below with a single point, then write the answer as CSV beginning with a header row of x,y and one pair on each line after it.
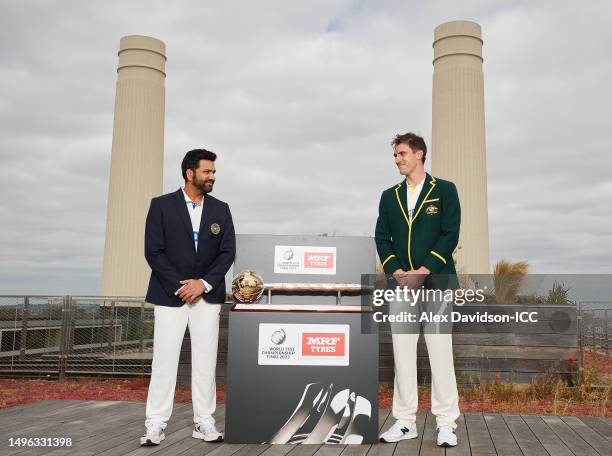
x,y
323,344
305,259
292,344
323,260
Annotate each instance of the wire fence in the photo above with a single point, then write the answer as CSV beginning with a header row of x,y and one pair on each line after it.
x,y
57,336
595,326
60,336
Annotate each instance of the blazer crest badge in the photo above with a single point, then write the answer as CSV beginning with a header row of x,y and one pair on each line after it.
x,y
431,210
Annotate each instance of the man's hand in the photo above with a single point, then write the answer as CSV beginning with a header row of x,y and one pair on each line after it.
x,y
192,290
399,273
411,279
417,277
402,277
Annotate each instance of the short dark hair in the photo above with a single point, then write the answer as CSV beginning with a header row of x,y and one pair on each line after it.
x,y
414,141
193,157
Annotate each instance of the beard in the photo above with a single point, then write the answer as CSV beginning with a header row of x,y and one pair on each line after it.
x,y
205,186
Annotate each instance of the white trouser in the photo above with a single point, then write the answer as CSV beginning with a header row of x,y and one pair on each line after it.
x,y
170,324
444,397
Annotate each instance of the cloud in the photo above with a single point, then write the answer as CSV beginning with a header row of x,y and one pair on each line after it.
x,y
300,100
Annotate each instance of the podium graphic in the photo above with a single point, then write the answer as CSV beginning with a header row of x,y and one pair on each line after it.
x,y
323,416
301,369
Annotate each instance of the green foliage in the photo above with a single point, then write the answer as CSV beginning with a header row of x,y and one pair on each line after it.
x,y
558,294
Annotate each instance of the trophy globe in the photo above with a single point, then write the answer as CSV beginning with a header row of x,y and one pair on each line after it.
x,y
247,287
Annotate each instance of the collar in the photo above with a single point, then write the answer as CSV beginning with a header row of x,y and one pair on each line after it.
x,y
189,200
402,195
420,184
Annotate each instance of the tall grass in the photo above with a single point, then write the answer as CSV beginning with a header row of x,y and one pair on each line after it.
x,y
508,277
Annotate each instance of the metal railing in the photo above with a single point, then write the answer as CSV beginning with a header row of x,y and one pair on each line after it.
x,y
595,325
58,336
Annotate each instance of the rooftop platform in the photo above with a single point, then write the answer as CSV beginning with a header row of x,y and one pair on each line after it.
x,y
113,428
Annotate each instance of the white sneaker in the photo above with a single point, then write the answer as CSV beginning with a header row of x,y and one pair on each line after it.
x,y
446,436
207,431
399,432
154,434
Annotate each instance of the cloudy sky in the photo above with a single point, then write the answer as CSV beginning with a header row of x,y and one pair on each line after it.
x,y
300,100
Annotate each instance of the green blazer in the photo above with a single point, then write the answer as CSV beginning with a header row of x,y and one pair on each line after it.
x,y
430,238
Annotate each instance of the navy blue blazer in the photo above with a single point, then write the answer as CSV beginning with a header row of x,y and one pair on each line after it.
x,y
170,249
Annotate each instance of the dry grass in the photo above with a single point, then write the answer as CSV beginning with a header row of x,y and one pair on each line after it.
x,y
508,278
586,395
23,391
547,395
591,394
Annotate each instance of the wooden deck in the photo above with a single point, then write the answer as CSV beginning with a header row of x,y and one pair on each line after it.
x,y
113,428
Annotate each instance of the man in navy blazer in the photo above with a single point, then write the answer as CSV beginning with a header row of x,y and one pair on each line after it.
x,y
190,245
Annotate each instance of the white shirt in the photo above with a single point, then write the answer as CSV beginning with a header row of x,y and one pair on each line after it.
x,y
412,197
195,214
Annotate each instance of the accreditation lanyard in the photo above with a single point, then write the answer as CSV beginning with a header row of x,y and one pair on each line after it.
x,y
195,214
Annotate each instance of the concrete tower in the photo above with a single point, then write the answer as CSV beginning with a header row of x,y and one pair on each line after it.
x,y
137,160
458,136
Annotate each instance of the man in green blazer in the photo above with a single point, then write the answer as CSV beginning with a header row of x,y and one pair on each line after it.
x,y
416,233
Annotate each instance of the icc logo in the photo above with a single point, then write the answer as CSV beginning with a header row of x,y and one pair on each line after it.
x,y
278,337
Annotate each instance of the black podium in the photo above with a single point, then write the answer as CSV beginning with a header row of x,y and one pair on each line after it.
x,y
301,374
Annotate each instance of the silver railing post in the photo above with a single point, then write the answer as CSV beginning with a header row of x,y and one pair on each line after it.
x,y
594,331
580,342
24,328
110,332
605,331
142,315
65,336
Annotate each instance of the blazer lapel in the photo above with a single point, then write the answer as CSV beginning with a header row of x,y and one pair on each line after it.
x,y
205,223
181,207
428,186
400,194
